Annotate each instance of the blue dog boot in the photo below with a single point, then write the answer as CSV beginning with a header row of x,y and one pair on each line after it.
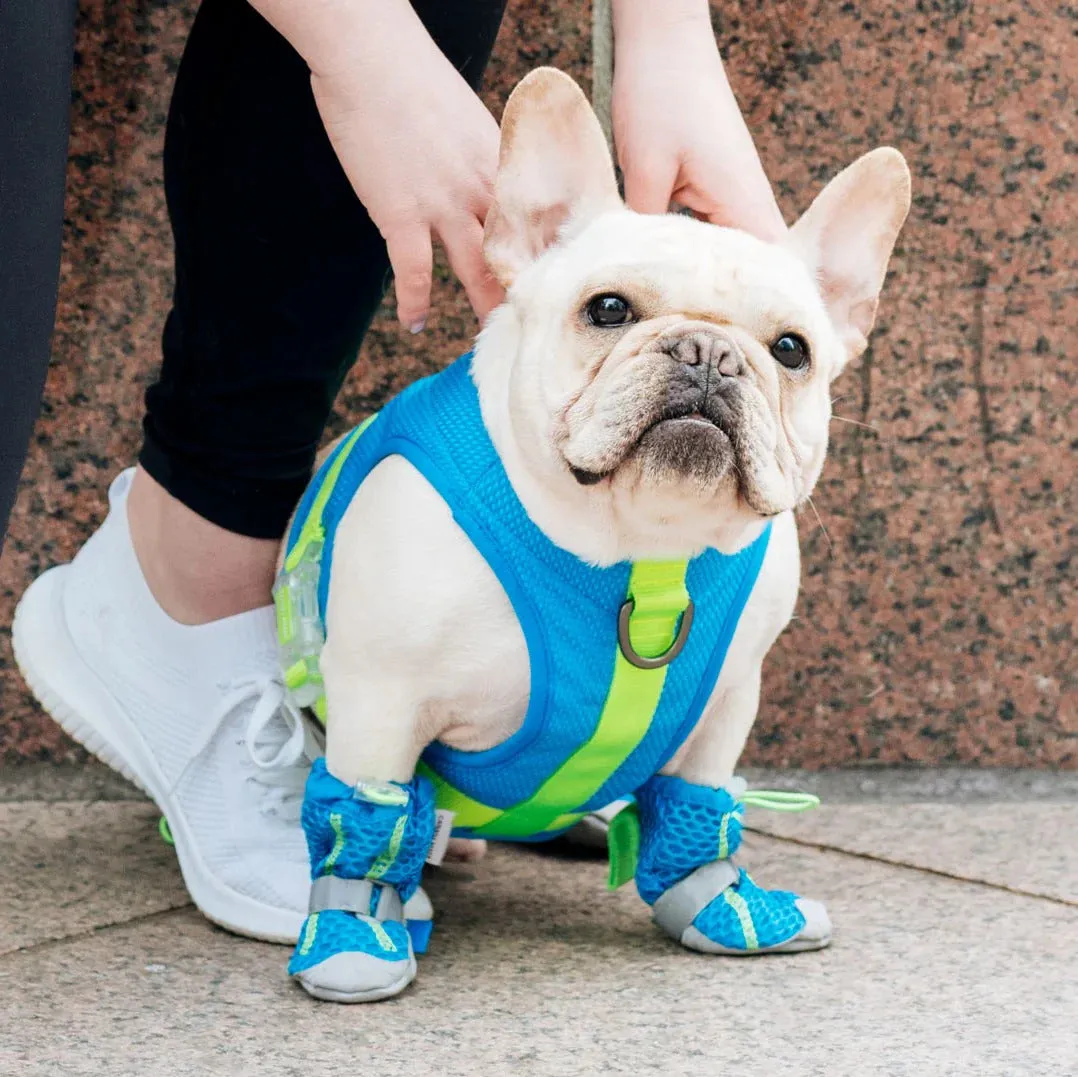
x,y
698,895
367,847
342,957
718,909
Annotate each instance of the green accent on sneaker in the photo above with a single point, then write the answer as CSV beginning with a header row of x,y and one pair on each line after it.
x,y
165,831
623,843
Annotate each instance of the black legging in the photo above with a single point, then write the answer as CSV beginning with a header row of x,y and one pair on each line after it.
x,y
35,99
279,270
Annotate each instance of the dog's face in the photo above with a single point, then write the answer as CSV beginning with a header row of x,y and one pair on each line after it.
x,y
673,374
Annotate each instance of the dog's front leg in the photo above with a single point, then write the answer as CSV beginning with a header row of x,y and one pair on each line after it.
x,y
690,823
399,673
369,822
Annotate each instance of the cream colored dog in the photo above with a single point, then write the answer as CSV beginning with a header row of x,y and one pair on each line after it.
x,y
576,411
654,386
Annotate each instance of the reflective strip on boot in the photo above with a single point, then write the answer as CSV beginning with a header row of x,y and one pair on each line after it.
x,y
679,906
355,895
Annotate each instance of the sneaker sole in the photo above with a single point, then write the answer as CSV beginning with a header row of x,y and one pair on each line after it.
x,y
76,699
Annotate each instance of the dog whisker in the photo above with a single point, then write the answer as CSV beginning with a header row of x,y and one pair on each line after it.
x,y
815,512
855,422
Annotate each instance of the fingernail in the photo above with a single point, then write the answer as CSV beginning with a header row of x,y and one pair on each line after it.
x,y
418,327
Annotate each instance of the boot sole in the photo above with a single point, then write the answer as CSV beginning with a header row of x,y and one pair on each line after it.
x,y
375,994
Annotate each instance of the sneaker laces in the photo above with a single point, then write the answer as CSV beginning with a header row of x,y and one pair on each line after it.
x,y
280,743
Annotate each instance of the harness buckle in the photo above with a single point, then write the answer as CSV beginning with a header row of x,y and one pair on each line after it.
x,y
300,633
625,643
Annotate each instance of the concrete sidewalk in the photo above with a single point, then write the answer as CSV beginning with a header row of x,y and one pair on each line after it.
x,y
956,951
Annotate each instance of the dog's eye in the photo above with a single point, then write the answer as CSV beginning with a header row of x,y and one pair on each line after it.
x,y
609,310
791,350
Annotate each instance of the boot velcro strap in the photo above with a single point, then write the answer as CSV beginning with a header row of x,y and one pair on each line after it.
x,y
675,910
354,895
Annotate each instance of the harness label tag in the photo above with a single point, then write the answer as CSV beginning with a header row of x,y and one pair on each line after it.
x,y
443,827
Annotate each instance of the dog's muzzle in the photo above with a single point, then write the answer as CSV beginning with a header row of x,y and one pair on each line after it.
x,y
706,353
706,378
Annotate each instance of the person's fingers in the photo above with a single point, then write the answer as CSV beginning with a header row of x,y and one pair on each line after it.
x,y
759,218
649,186
752,208
412,258
463,241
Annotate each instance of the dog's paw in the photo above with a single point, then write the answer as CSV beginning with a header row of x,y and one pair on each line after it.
x,y
718,909
345,957
466,850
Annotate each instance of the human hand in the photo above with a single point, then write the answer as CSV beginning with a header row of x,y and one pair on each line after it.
x,y
679,133
421,151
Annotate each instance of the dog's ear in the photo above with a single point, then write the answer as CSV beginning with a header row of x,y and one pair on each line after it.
x,y
554,172
846,237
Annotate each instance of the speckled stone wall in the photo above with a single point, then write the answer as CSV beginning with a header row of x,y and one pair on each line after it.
x,y
937,617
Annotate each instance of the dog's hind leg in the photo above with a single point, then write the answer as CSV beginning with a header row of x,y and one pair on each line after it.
x,y
690,826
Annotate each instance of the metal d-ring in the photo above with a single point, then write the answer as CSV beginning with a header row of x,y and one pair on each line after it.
x,y
671,652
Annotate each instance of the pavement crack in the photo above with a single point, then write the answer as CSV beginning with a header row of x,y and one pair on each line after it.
x,y
939,872
76,936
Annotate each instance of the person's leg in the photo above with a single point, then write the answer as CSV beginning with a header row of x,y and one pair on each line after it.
x,y
279,272
36,42
156,647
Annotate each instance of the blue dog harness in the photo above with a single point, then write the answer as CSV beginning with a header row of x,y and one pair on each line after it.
x,y
623,659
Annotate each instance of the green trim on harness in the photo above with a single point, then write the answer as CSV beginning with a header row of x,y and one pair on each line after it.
x,y
659,600
312,530
298,639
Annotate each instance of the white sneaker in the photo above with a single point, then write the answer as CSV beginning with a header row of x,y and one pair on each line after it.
x,y
194,715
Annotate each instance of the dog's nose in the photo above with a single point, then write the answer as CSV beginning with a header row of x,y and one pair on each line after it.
x,y
705,348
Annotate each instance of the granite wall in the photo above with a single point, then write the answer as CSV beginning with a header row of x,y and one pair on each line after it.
x,y
937,617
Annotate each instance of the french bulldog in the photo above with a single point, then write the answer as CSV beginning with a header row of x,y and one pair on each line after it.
x,y
654,391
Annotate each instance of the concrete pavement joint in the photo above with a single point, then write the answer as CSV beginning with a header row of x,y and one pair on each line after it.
x,y
78,936
877,858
